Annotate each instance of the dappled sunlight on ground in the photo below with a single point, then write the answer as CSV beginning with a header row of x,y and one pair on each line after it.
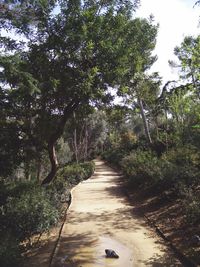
x,y
100,217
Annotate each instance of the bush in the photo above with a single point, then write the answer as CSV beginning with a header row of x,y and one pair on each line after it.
x,y
128,140
191,204
30,212
25,210
89,168
114,156
180,166
10,252
141,167
59,192
67,177
72,173
76,172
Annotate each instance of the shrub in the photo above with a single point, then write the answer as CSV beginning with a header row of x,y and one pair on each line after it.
x,y
193,211
128,140
29,213
59,192
73,173
191,204
10,252
141,167
76,172
25,210
89,168
114,156
180,166
67,177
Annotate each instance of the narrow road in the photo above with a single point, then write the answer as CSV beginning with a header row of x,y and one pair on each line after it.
x,y
100,218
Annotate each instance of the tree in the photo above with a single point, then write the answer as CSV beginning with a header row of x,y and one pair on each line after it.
x,y
23,15
86,133
146,91
189,61
136,83
70,60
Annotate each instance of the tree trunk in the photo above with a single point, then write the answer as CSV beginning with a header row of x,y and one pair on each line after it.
x,y
54,164
166,132
54,138
86,143
27,171
76,152
76,146
146,126
39,167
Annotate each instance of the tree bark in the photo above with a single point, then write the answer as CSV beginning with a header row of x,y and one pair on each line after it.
x,y
86,143
146,126
68,111
54,163
76,146
39,167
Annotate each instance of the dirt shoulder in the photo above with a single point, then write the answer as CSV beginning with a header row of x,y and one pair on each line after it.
x,y
165,211
42,251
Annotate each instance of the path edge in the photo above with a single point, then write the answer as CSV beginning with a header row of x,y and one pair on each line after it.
x,y
180,256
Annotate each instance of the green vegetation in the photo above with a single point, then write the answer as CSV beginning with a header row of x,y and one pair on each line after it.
x,y
141,167
28,209
58,80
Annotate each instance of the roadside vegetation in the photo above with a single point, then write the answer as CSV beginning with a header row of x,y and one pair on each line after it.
x,y
159,153
28,210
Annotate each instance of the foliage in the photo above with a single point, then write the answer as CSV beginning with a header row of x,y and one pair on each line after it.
x,y
64,152
67,177
188,56
191,204
114,156
69,59
10,252
180,166
76,172
173,169
128,140
141,167
10,144
27,210
89,168
86,133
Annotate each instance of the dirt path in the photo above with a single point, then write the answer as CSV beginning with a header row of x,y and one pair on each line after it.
x,y
99,218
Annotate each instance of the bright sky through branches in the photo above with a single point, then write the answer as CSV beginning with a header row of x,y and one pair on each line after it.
x,y
177,19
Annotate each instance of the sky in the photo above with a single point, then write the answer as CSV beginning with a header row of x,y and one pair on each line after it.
x,y
177,19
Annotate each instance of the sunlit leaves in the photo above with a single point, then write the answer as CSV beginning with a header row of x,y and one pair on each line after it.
x,y
189,60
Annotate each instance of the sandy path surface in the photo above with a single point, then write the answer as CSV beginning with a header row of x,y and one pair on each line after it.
x,y
100,217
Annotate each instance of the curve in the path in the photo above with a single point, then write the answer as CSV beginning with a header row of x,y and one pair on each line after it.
x,y
100,218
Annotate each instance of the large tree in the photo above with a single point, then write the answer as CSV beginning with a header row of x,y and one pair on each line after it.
x,y
72,54
138,85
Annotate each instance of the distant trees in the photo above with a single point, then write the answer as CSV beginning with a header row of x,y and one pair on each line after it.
x,y
86,133
170,115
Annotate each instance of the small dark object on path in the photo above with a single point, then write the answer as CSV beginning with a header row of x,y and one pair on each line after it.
x,y
196,240
111,254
